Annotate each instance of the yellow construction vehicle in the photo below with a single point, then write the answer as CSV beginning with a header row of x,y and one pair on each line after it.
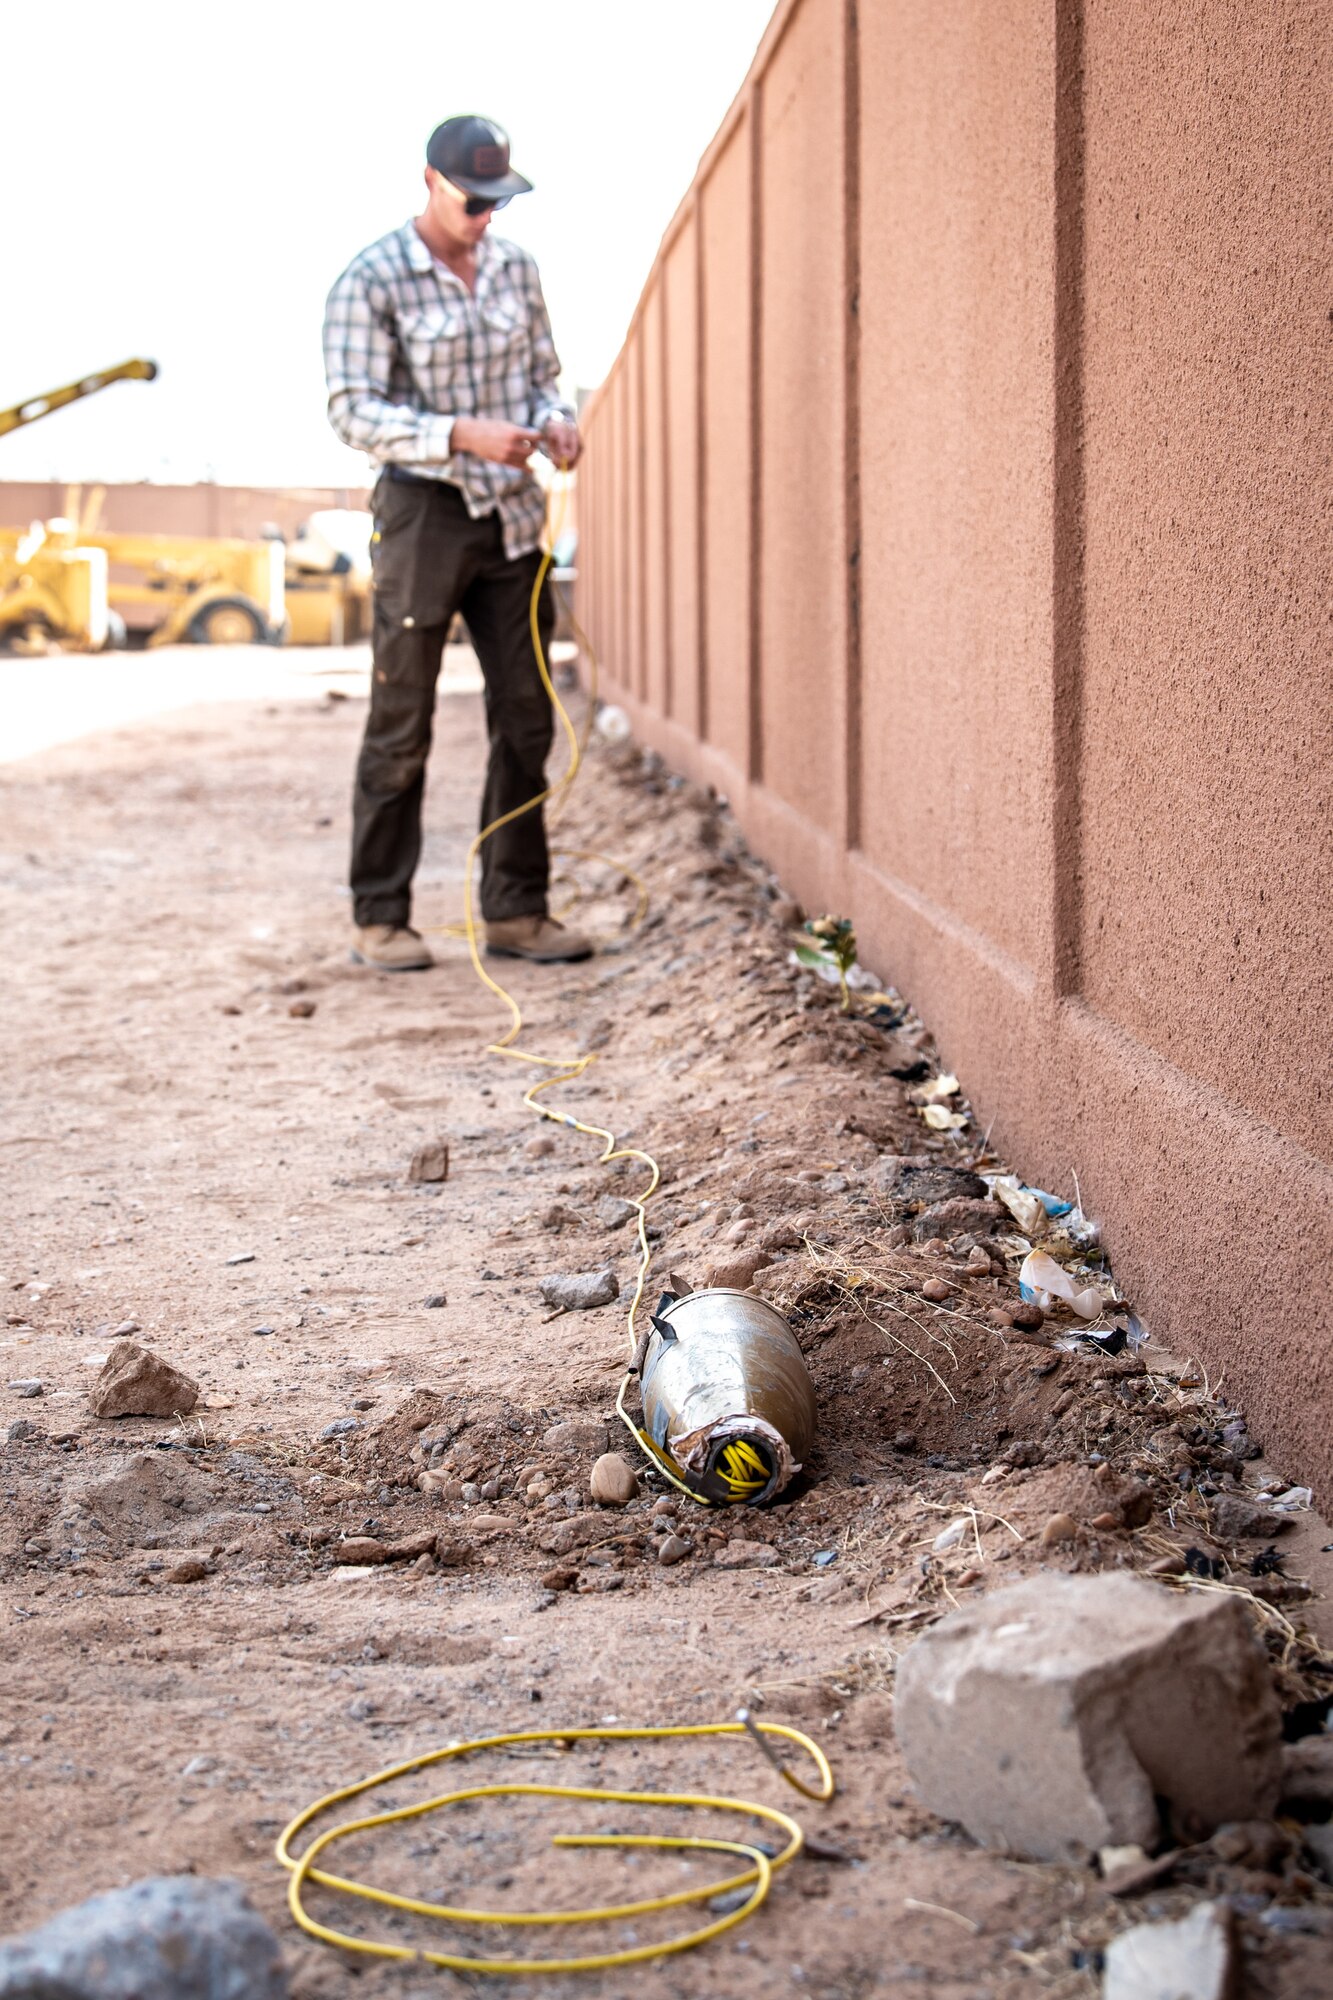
x,y
52,586
328,579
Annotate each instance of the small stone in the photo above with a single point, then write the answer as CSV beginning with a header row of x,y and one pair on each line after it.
x,y
612,1482
27,1389
1307,1771
22,1429
424,1565
1103,1523
180,1937
563,1577
601,1579
361,1549
664,1508
582,1292
1193,1959
1027,1316
1060,1528
1234,1519
539,1146
936,1291
301,1010
433,1300
950,1537
742,1554
673,1550
905,1441
613,1213
135,1382
242,1257
490,1489
261,1330
577,1532
341,1427
451,1552
736,1273
430,1162
193,1570
471,1493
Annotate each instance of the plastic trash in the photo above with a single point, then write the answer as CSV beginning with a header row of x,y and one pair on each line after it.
x,y
1042,1281
1022,1202
613,725
1296,1500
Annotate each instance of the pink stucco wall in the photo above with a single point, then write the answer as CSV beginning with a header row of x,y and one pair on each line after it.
x,y
958,505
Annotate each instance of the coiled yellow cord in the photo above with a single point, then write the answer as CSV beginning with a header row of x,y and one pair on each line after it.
x,y
757,1876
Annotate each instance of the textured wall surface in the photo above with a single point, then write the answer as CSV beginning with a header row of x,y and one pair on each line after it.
x,y
958,505
143,509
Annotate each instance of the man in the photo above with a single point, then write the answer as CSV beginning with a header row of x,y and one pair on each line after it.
x,y
441,366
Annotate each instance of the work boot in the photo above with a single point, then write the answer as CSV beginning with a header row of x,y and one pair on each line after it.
x,y
391,948
539,938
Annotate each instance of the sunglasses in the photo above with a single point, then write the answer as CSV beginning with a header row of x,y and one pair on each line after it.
x,y
476,204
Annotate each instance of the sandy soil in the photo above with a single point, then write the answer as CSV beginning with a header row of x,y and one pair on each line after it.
x,y
209,1119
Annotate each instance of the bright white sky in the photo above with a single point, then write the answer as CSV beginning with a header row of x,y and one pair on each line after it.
x,y
185,183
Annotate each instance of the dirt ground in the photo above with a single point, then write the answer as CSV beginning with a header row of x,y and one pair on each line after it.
x,y
209,1118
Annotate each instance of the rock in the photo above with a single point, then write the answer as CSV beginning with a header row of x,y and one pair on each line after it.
x,y
1027,1316
1235,1519
28,1389
576,1533
1060,1528
577,1434
361,1549
412,1547
341,1427
1194,1959
582,1292
736,1272
1307,1771
193,1570
21,1429
451,1552
135,1382
905,1441
178,1937
430,1162
434,1300
612,1483
741,1554
242,1257
917,1181
539,1146
1050,1716
301,1010
490,1524
563,1577
936,1291
673,1550
951,1218
613,1213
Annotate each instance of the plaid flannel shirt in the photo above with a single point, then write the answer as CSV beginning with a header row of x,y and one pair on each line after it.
x,y
407,348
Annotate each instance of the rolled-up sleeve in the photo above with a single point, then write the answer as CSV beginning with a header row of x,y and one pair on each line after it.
x,y
358,366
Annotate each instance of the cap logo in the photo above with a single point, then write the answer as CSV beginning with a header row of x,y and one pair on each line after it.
x,y
488,160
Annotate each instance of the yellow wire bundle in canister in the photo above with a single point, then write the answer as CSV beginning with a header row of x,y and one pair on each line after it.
x,y
755,1877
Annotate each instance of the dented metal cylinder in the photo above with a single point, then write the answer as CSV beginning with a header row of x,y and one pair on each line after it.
x,y
727,1395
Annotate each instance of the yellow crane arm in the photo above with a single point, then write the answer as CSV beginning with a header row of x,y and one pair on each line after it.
x,y
55,399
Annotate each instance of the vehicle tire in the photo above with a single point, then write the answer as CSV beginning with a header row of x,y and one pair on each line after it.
x,y
229,621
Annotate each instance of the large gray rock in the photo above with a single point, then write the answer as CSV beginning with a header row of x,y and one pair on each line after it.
x,y
1050,1717
177,1937
1194,1959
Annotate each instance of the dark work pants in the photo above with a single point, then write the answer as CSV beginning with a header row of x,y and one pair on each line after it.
x,y
432,559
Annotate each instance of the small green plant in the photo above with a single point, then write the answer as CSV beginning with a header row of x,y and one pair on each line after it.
x,y
833,944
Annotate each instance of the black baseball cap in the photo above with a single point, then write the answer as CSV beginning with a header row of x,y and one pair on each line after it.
x,y
473,153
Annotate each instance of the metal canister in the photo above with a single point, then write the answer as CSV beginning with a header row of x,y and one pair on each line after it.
x,y
727,1395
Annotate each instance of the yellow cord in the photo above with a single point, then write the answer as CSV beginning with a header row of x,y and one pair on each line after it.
x,y
756,1876
567,1069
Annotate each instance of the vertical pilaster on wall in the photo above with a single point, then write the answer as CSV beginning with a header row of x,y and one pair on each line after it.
x,y
756,657
639,474
700,472
852,416
664,392
1068,537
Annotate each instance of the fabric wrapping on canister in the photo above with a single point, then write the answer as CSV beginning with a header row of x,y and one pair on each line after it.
x,y
727,1395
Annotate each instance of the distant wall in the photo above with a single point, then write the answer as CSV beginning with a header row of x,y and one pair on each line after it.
x,y
143,509
959,506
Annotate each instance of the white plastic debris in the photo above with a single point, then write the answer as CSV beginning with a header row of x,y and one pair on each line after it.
x,y
949,1538
1021,1203
1296,1500
1044,1281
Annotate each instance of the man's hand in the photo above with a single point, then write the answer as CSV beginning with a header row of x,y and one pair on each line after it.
x,y
491,437
561,443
